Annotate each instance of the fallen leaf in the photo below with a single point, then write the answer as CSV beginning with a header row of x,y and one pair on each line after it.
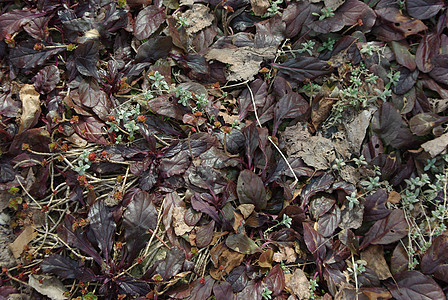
x,y
286,253
48,286
394,197
298,284
246,209
374,256
436,146
242,244
27,235
30,107
180,227
260,7
198,18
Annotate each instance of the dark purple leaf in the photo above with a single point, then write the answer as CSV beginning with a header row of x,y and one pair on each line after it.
x,y
440,68
315,242
328,223
7,172
66,268
269,33
200,205
11,21
199,143
375,206
7,290
102,226
296,15
259,90
238,279
392,25
148,21
302,68
114,18
334,278
24,56
423,123
166,105
436,255
389,125
275,280
291,105
402,54
223,290
428,47
385,231
140,215
253,290
347,14
406,81
242,244
172,264
204,234
91,129
317,184
202,291
155,48
148,178
131,286
78,238
250,189
38,28
399,261
175,165
414,285
423,9
86,57
46,79
8,106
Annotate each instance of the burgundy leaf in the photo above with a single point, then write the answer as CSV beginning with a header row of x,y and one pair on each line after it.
x,y
202,290
131,286
440,68
8,106
329,222
406,81
172,264
24,56
140,215
275,280
375,206
414,285
78,238
402,54
423,123
200,205
175,165
399,261
389,125
315,242
66,268
223,290
428,47
436,255
269,33
394,26
38,28
385,231
11,21
102,226
317,184
148,21
238,279
86,57
259,90
423,9
155,48
250,189
291,105
204,234
91,129
253,290
46,79
296,15
302,68
241,243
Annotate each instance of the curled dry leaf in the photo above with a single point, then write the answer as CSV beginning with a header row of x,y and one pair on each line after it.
x,y
48,286
27,235
298,284
30,107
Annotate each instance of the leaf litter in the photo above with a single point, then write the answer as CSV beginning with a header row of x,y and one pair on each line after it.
x,y
253,151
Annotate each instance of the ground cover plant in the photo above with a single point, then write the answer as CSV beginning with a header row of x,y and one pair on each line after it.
x,y
223,149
